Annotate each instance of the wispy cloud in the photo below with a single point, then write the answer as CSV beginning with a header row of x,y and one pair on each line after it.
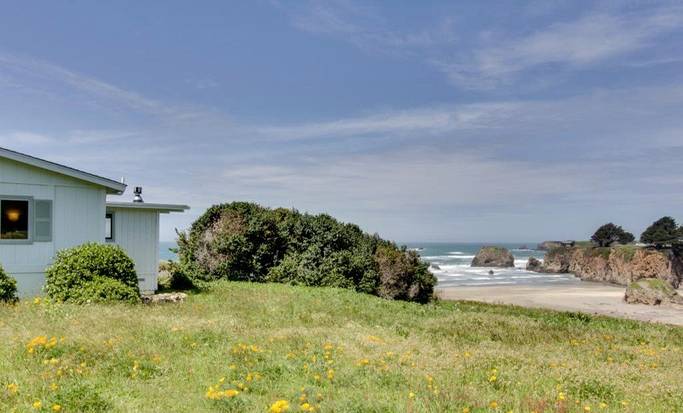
x,y
367,29
591,39
425,120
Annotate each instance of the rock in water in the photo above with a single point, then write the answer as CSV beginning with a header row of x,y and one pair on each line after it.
x,y
534,265
652,291
493,257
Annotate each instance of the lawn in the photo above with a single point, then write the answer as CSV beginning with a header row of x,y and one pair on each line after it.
x,y
243,347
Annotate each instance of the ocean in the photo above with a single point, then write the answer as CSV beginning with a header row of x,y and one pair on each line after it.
x,y
450,263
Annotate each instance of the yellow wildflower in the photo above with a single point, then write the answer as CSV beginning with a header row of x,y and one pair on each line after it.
x,y
279,406
12,388
411,395
306,407
493,404
37,404
56,408
465,410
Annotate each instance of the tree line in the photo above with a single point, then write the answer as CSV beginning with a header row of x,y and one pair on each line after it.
x,y
663,232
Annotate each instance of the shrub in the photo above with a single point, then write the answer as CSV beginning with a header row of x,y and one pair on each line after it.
x,y
104,289
174,277
609,234
244,241
403,276
87,269
8,288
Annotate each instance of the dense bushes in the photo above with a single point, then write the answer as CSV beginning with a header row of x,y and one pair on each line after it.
x,y
244,241
8,288
92,273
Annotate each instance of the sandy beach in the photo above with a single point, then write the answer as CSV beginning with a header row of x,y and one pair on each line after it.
x,y
587,297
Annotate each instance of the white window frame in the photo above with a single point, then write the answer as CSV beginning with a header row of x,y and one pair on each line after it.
x,y
29,199
111,216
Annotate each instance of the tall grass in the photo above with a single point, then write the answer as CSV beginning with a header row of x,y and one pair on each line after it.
x,y
243,347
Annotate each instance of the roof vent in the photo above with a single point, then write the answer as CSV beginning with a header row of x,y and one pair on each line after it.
x,y
138,194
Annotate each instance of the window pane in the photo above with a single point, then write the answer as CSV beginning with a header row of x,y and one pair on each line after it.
x,y
107,227
14,220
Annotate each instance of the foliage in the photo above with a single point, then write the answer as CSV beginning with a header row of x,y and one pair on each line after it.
x,y
8,288
244,241
272,342
104,289
609,234
174,277
80,274
664,231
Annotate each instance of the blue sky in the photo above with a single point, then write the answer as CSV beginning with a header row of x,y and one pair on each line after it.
x,y
443,121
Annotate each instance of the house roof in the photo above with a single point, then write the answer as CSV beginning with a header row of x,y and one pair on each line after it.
x,y
161,208
113,187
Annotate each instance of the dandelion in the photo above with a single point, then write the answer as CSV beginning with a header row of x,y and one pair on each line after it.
x,y
465,410
493,379
603,405
586,408
279,406
37,404
330,374
56,408
12,388
363,362
493,404
306,407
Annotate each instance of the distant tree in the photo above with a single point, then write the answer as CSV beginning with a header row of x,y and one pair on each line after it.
x,y
661,232
608,234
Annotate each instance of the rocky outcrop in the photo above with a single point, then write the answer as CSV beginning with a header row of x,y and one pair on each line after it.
x,y
493,257
534,264
550,245
651,291
618,265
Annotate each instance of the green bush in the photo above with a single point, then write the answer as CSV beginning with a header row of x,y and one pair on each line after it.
x,y
174,277
8,288
92,272
244,241
104,289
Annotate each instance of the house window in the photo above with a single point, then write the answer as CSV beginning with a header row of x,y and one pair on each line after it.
x,y
109,227
14,219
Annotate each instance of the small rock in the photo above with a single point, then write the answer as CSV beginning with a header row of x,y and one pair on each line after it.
x,y
534,265
491,272
435,266
651,291
164,298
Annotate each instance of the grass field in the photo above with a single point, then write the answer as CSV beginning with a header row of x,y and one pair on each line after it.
x,y
243,347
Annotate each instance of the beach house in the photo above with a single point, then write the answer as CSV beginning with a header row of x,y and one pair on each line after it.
x,y
46,207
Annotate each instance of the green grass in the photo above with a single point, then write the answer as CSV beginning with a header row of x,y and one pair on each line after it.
x,y
281,342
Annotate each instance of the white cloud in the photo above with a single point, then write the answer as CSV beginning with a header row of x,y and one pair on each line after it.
x,y
13,139
591,39
365,28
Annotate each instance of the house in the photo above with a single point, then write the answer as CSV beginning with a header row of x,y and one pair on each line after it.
x,y
46,207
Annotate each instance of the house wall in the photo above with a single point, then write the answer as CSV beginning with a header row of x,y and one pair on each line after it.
x,y
78,217
137,232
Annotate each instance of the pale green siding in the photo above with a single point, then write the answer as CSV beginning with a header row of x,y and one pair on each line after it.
x,y
78,217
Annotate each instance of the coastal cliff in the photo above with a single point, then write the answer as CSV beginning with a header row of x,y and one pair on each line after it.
x,y
618,265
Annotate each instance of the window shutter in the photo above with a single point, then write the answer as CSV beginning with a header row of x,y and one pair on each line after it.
x,y
42,220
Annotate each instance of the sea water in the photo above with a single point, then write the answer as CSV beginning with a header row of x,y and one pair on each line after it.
x,y
450,263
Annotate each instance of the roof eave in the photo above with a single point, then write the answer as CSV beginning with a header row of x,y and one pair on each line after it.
x,y
112,187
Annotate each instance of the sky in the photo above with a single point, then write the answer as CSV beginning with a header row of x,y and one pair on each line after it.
x,y
421,121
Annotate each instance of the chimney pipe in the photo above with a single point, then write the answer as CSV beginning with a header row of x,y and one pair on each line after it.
x,y
138,194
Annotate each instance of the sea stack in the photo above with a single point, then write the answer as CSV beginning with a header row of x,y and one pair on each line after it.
x,y
493,257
